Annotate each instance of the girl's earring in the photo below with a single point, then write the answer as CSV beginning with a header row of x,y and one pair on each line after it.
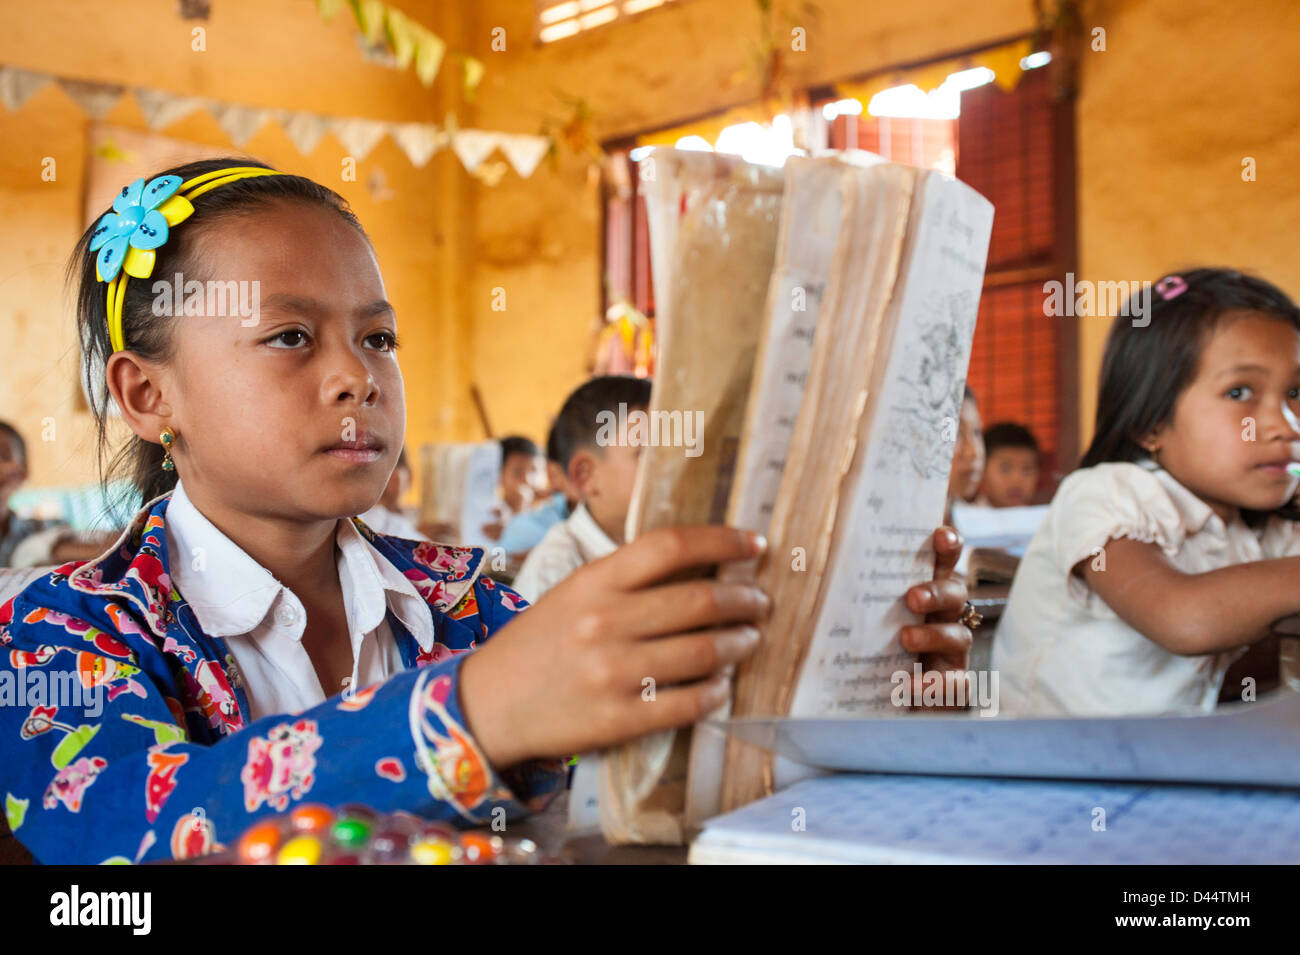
x,y
168,438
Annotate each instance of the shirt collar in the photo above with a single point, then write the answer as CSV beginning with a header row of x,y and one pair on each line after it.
x,y
231,594
1194,513
593,542
378,587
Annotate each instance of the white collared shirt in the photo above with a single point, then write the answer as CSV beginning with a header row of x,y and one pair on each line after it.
x,y
262,621
567,546
1060,650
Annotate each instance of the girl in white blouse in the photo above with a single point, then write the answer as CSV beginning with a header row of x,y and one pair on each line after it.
x,y
1175,544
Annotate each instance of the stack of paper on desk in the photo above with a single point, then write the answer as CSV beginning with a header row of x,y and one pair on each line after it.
x,y
919,819
822,320
1065,807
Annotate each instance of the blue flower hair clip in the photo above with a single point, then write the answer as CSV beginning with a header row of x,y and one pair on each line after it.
x,y
139,223
143,214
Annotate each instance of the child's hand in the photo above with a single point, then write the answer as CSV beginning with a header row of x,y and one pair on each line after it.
x,y
612,653
942,642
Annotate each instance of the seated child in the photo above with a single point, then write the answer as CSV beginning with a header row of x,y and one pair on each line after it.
x,y
1176,542
243,598
29,542
1011,468
523,480
386,516
525,531
601,479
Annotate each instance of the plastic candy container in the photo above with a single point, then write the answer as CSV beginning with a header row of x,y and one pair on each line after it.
x,y
357,835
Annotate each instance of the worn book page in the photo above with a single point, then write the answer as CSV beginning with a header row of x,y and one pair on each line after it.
x,y
721,252
886,542
794,572
810,228
837,647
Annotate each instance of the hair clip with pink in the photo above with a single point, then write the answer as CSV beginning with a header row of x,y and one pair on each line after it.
x,y
1170,287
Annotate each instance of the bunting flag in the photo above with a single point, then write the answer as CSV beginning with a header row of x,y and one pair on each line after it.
x,y
473,74
523,152
304,130
358,136
1003,61
418,140
18,86
472,146
383,27
370,18
241,122
401,38
429,51
95,99
162,109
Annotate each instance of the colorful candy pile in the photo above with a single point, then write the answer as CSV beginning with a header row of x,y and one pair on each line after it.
x,y
357,835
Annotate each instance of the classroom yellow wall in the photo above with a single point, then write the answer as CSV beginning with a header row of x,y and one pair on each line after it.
x,y
1184,90
275,54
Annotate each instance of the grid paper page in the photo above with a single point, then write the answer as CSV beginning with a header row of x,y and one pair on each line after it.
x,y
920,819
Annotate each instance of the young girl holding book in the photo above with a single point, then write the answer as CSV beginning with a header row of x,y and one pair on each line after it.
x,y
1176,542
161,698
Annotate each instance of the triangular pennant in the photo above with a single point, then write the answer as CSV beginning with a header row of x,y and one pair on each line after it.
x,y
429,50
241,123
418,140
162,109
1005,63
473,74
524,152
95,99
369,15
401,38
18,86
358,136
304,130
472,146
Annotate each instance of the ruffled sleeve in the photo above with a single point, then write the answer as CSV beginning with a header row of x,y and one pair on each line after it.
x,y
1109,502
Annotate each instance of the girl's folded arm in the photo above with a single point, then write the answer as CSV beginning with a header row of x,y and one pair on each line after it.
x,y
89,778
1192,614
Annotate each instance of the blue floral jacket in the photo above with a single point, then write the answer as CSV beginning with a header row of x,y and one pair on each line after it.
x,y
125,734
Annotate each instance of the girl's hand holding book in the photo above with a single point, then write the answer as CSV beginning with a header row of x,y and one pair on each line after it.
x,y
621,648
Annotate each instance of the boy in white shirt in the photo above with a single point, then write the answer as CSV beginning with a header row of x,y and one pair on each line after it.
x,y
602,478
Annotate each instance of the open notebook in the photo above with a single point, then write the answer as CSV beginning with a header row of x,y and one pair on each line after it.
x,y
820,318
931,819
458,486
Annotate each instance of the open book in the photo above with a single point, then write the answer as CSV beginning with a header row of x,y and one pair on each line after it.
x,y
821,318
458,487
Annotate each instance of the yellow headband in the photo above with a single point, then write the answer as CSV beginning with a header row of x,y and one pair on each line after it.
x,y
127,238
